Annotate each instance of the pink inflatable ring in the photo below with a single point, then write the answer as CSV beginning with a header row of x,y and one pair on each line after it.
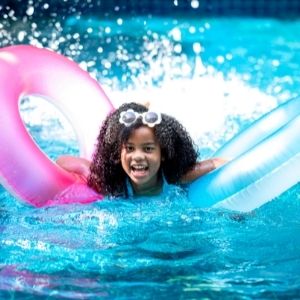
x,y
24,169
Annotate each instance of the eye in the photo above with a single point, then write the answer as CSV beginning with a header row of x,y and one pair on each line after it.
x,y
149,149
128,148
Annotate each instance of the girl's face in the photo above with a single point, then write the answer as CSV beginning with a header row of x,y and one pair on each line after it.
x,y
141,159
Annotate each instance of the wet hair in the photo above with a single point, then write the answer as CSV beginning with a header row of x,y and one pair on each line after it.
x,y
177,150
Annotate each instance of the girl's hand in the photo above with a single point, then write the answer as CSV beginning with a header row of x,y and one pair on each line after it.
x,y
77,165
218,162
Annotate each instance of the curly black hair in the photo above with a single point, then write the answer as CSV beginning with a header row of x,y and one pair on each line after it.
x,y
177,148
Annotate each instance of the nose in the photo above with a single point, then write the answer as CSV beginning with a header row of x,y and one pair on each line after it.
x,y
138,155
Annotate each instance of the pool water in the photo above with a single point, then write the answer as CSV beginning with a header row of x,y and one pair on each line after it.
x,y
216,76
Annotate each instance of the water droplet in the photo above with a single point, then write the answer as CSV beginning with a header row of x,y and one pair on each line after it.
x,y
195,4
175,34
220,59
30,11
197,48
178,48
21,35
275,62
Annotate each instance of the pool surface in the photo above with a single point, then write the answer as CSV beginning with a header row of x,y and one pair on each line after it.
x,y
216,75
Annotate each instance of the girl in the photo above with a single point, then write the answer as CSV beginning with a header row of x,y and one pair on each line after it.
x,y
138,152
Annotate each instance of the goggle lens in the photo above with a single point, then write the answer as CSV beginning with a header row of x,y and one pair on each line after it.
x,y
129,117
151,117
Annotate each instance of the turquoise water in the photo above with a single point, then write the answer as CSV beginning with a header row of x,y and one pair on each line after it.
x,y
216,76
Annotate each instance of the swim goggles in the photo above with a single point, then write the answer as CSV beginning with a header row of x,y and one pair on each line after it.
x,y
149,118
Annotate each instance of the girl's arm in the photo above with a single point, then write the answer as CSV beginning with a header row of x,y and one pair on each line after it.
x,y
202,168
77,165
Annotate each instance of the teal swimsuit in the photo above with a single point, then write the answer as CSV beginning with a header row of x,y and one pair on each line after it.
x,y
167,189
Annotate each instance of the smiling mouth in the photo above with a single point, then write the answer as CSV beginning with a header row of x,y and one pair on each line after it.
x,y
139,168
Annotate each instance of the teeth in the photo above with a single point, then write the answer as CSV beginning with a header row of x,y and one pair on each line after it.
x,y
139,167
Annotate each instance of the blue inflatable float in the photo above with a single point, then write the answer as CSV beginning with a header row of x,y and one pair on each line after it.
x,y
264,162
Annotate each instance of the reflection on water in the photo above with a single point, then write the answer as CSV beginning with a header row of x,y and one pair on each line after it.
x,y
216,76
